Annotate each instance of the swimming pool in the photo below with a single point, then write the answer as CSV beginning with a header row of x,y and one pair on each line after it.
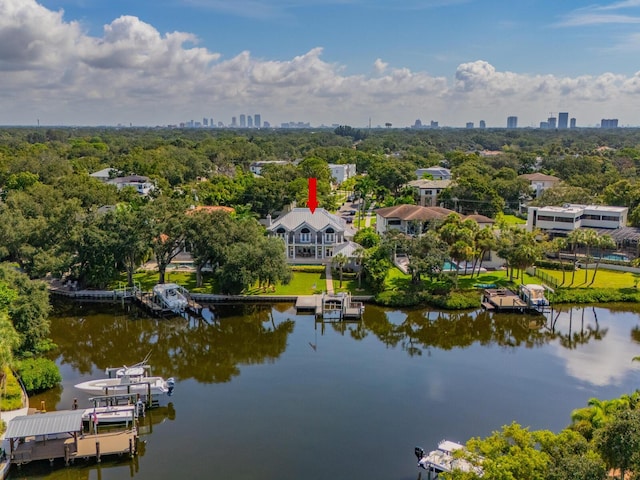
x,y
449,266
618,257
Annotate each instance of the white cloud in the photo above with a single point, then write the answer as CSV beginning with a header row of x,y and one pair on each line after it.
x,y
53,70
379,66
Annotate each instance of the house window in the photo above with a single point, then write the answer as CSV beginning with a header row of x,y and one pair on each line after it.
x,y
609,218
305,235
394,222
329,236
545,218
564,219
281,233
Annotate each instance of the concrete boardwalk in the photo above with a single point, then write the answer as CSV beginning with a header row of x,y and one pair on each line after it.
x,y
329,279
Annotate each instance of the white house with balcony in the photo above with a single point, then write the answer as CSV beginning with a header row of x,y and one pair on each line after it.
x,y
256,167
310,237
570,217
539,182
342,172
139,183
428,190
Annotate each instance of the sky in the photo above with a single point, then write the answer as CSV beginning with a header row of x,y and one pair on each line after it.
x,y
326,62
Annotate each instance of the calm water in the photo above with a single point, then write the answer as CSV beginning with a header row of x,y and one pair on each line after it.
x,y
265,394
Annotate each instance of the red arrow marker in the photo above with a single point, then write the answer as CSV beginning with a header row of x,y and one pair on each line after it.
x,y
313,195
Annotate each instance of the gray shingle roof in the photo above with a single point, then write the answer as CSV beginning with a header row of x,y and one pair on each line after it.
x,y
45,424
319,220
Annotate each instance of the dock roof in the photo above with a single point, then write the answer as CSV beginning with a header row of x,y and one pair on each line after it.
x,y
45,424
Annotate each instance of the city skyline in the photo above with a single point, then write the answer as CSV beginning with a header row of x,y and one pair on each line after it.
x,y
90,62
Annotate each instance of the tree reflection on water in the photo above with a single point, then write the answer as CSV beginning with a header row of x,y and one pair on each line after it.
x,y
216,345
229,336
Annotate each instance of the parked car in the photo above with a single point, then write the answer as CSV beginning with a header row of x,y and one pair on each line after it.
x,y
352,212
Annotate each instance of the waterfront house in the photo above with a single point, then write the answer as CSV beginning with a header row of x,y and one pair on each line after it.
x,y
309,237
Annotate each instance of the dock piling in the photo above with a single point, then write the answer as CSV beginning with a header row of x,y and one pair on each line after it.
x,y
98,451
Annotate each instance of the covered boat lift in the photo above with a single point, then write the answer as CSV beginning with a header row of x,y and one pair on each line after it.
x,y
47,436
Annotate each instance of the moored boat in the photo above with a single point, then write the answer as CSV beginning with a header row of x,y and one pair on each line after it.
x,y
443,459
171,296
113,414
127,385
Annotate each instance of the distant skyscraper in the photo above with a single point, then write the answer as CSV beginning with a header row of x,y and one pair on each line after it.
x,y
256,120
552,122
243,120
544,125
483,124
609,123
512,122
434,124
469,124
205,122
563,120
233,122
417,123
249,121
572,123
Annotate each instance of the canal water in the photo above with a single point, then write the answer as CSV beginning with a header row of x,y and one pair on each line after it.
x,y
263,393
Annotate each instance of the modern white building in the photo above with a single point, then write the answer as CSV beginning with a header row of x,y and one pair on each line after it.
x,y
569,217
342,172
310,237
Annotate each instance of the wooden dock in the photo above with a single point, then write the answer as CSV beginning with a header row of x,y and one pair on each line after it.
x,y
502,299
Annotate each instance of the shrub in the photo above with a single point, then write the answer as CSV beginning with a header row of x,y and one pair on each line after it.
x,y
38,374
454,300
11,398
594,295
3,427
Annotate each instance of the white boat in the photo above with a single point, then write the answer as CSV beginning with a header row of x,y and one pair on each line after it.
x,y
128,384
442,459
113,414
533,295
171,296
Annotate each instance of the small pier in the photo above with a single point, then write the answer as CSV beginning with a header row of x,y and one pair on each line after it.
x,y
338,306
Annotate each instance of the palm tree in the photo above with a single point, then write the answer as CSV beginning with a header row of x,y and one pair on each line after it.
x,y
485,241
340,260
359,255
590,240
575,239
605,242
557,245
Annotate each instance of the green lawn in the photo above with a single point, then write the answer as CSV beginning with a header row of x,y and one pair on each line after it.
x,y
302,283
604,278
512,220
148,278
